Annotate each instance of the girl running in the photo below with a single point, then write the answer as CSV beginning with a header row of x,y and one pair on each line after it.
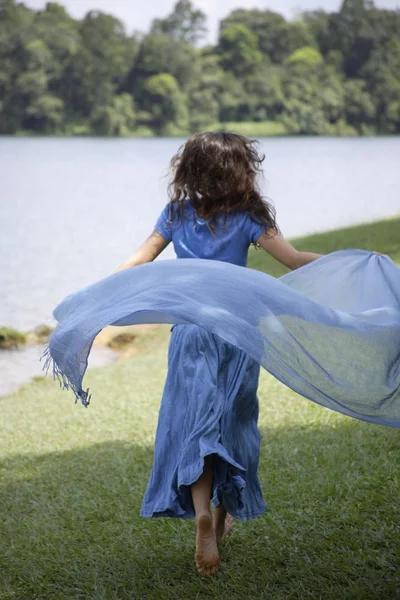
x,y
207,442
330,331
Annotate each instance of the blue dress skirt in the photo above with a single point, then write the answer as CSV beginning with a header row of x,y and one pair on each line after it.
x,y
209,406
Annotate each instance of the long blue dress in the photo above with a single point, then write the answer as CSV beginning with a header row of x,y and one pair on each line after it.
x,y
210,403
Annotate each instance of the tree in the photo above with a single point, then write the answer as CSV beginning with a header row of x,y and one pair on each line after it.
x,y
351,32
203,109
233,105
323,73
317,22
25,77
166,104
203,95
45,114
183,24
359,108
15,33
238,49
382,80
158,53
305,56
276,37
115,119
313,101
264,94
97,70
59,32
111,50
353,8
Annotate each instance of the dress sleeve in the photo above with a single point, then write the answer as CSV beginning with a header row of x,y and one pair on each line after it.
x,y
253,230
164,224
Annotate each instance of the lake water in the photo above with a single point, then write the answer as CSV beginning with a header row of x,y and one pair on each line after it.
x,y
71,210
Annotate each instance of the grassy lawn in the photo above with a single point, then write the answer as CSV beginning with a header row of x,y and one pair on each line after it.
x,y
381,236
252,128
72,480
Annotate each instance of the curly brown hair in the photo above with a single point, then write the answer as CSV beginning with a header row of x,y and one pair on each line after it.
x,y
217,173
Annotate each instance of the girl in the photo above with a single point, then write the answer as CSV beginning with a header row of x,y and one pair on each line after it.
x,y
207,442
330,331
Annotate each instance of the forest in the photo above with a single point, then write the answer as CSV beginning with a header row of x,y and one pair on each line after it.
x,y
319,74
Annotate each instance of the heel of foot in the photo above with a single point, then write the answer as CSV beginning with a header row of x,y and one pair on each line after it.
x,y
205,523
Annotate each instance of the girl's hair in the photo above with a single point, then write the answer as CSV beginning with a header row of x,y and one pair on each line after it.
x,y
217,173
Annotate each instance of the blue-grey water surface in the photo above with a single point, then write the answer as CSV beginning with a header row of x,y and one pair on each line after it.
x,y
71,210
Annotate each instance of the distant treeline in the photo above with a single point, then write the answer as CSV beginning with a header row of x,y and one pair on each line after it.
x,y
324,73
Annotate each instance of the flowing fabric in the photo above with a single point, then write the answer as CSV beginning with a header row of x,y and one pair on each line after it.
x,y
330,330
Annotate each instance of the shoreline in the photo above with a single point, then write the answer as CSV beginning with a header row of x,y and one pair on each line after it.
x,y
24,367
248,133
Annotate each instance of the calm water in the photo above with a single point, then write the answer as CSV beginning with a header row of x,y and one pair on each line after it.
x,y
19,366
71,210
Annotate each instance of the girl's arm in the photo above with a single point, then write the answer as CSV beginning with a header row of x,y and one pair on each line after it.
x,y
147,252
283,251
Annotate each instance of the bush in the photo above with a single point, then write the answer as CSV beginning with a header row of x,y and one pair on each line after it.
x,y
142,131
121,341
42,332
306,56
248,128
11,338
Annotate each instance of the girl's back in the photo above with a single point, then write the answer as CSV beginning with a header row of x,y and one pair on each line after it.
x,y
228,240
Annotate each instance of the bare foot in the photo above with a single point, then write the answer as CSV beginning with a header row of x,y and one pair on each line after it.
x,y
207,559
222,523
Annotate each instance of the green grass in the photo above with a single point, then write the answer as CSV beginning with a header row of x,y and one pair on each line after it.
x,y
252,129
72,481
381,236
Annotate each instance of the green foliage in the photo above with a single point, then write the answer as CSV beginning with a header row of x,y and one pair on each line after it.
x,y
232,99
11,338
322,74
205,90
168,112
382,79
100,65
185,23
42,332
45,114
264,94
238,48
251,129
122,340
307,56
143,131
159,53
358,104
116,119
276,37
314,101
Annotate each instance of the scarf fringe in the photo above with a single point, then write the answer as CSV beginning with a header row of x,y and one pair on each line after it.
x,y
65,384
